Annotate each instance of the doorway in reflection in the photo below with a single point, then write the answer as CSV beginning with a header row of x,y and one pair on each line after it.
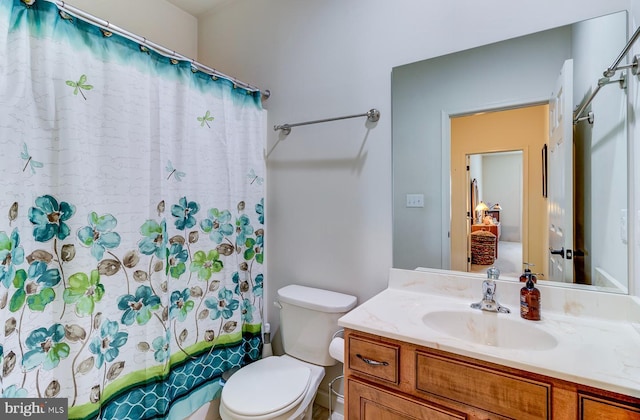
x,y
495,168
495,203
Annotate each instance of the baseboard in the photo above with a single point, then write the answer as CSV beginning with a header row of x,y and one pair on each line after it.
x,y
322,399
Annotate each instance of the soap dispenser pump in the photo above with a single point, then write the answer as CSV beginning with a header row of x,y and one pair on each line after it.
x,y
527,273
529,298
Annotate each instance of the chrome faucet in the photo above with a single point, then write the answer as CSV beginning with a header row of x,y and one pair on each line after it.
x,y
488,302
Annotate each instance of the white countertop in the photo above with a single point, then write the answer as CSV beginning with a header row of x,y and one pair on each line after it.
x,y
598,334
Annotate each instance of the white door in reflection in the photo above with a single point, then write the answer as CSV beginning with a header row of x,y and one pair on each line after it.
x,y
559,177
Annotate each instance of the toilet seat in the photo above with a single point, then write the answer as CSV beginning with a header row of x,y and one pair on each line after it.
x,y
267,388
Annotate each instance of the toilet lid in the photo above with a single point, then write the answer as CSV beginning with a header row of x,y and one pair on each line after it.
x,y
265,386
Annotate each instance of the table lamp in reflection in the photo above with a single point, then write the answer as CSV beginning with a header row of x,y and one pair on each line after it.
x,y
480,209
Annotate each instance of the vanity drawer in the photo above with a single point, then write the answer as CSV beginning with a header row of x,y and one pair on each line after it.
x,y
374,358
487,389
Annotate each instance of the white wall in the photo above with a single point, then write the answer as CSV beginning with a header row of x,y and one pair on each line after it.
x,y
329,185
157,20
503,181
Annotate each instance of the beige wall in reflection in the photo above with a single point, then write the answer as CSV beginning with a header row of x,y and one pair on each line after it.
x,y
524,129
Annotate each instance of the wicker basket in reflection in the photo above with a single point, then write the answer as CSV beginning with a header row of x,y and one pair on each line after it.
x,y
483,247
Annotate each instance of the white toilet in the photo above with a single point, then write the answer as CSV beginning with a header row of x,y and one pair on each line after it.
x,y
284,387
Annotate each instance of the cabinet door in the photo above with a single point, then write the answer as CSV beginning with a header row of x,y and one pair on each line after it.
x,y
367,402
594,408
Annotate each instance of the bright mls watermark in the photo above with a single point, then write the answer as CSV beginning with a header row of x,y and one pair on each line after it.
x,y
33,408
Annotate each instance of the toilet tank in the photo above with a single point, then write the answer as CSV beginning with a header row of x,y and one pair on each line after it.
x,y
309,319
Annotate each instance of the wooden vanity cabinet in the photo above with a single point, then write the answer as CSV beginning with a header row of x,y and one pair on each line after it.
x,y
390,379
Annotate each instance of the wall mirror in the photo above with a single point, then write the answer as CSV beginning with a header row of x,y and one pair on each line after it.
x,y
484,94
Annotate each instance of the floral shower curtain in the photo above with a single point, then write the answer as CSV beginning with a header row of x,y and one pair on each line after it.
x,y
131,220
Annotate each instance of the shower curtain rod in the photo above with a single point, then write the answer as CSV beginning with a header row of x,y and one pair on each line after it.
x,y
158,48
608,73
373,115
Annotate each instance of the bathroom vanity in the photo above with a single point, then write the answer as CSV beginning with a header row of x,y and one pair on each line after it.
x,y
420,382
417,350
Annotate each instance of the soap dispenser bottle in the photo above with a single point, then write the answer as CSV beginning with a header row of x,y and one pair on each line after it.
x,y
530,299
527,273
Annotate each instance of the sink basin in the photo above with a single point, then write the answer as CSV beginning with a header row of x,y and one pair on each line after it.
x,y
490,329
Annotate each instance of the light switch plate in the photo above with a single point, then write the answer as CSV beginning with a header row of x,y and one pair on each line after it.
x,y
415,200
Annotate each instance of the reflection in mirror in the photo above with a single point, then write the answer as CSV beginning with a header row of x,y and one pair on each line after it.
x,y
495,199
431,99
522,129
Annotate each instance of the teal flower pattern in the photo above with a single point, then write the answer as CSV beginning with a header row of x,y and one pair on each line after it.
x,y
247,311
177,259
42,274
47,285
257,285
49,216
243,229
84,291
50,281
139,307
260,211
155,238
181,305
217,225
11,255
45,348
106,345
161,347
36,287
222,306
184,213
240,286
98,235
14,392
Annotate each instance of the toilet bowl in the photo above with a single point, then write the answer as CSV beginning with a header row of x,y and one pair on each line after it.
x,y
284,387
277,387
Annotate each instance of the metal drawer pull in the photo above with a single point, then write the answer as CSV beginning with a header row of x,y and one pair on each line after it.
x,y
371,362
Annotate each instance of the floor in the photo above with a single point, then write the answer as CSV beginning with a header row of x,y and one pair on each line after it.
x,y
509,260
320,413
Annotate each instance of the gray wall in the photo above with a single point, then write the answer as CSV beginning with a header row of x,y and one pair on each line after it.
x,y
502,183
601,148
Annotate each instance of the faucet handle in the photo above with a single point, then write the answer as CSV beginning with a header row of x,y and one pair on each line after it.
x,y
488,288
488,302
